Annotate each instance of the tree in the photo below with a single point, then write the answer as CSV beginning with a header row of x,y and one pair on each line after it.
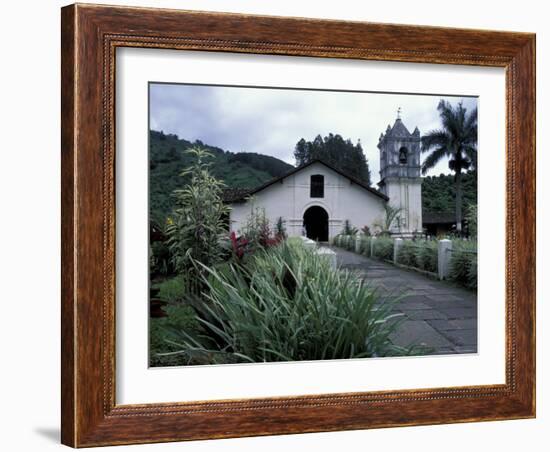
x,y
457,140
336,151
198,222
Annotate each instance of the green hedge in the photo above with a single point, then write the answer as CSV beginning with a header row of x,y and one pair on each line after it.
x,y
383,248
464,263
418,254
364,245
426,257
345,241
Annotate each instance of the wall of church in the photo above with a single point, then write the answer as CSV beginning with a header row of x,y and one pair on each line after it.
x,y
406,194
290,198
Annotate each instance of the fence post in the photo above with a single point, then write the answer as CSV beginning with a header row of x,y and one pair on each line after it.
x,y
372,240
444,248
358,239
396,245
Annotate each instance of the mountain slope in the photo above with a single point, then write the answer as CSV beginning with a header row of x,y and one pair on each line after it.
x,y
237,170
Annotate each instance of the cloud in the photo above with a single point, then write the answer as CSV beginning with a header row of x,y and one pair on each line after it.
x,y
271,121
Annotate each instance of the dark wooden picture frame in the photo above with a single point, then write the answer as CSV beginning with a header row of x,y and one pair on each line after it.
x,y
90,37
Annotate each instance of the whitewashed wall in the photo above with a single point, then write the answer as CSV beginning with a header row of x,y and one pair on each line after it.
x,y
290,198
407,194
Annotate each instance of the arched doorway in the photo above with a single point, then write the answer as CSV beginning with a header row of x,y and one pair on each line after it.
x,y
316,223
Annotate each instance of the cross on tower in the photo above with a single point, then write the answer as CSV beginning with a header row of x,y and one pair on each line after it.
x,y
399,113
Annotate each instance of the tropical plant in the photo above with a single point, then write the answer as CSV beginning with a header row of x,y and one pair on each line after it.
x,y
365,230
257,230
287,304
463,264
349,229
457,140
391,214
198,224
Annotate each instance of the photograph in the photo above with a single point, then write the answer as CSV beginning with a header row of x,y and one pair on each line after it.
x,y
290,224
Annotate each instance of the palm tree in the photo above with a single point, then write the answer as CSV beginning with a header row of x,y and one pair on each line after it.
x,y
457,139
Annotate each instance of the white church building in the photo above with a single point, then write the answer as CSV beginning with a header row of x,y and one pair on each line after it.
x,y
316,199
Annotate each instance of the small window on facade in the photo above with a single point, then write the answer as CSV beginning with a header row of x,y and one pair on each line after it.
x,y
403,155
317,186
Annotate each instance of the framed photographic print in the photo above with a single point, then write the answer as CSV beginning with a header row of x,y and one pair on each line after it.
x,y
280,225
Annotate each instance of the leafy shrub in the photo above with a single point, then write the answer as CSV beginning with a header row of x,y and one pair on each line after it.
x,y
426,256
161,336
407,254
256,235
256,230
383,248
160,259
464,263
472,275
287,304
471,219
364,245
198,224
172,290
418,254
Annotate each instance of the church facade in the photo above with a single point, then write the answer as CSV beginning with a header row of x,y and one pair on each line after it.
x,y
316,199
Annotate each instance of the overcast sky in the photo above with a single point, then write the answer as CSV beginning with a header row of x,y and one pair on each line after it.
x,y
271,121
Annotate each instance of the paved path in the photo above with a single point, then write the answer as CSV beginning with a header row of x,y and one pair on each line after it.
x,y
437,314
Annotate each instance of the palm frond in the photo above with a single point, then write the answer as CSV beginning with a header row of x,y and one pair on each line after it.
x,y
433,159
438,137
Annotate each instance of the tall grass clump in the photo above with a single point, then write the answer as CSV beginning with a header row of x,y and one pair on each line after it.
x,y
426,256
383,248
287,304
464,263
407,254
418,254
364,245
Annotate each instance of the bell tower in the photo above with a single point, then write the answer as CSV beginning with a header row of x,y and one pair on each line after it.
x,y
400,175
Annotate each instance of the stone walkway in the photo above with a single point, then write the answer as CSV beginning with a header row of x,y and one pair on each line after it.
x,y
437,314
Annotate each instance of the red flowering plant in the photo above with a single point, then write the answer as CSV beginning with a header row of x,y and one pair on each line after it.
x,y
256,235
239,245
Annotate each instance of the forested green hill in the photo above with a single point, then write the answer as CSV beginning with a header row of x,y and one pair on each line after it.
x,y
237,170
438,192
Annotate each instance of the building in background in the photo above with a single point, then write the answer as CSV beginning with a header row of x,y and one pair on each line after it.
x,y
316,199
